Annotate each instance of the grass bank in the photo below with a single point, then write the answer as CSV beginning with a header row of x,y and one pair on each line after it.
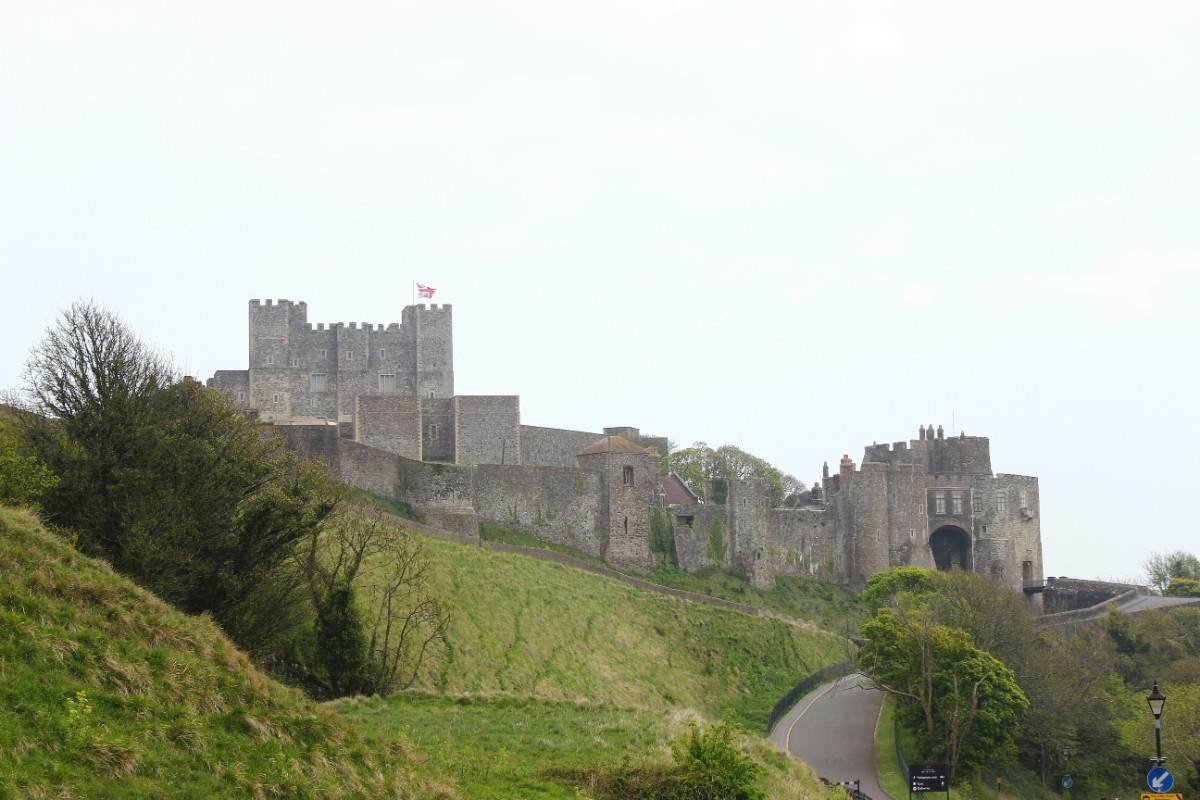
x,y
108,692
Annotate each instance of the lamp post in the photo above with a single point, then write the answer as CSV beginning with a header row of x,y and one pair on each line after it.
x,y
1156,699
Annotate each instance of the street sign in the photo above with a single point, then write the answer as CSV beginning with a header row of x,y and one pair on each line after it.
x,y
1067,782
1174,796
929,778
1160,779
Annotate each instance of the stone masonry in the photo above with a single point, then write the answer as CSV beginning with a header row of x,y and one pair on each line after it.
x,y
377,403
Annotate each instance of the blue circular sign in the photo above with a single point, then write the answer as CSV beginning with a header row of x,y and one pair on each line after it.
x,y
1160,780
1067,781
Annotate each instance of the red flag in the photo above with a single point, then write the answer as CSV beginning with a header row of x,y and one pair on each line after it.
x,y
425,291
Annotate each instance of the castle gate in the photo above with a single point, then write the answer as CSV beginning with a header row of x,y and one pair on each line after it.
x,y
951,547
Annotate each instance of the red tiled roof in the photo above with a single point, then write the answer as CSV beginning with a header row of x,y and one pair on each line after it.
x,y
613,444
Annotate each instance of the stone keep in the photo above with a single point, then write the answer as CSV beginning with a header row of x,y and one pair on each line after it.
x,y
313,372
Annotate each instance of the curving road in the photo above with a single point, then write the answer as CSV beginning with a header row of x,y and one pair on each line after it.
x,y
832,729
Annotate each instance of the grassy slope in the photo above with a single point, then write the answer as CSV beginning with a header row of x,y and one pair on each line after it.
x,y
499,749
832,607
538,629
107,692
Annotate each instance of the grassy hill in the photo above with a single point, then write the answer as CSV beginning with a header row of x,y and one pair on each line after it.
x,y
537,629
107,692
549,674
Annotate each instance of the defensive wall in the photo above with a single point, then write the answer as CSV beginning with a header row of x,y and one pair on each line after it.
x,y
377,403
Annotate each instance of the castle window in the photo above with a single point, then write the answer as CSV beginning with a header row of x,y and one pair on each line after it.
x,y
430,394
627,476
976,502
270,360
275,399
349,355
939,503
322,352
295,362
318,382
387,383
956,503
433,431
1024,500
241,397
382,353
1001,500
312,402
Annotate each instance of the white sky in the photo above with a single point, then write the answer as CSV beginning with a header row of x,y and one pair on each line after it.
x,y
797,227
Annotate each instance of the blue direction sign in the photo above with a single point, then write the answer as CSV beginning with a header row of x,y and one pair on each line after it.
x,y
1160,779
1067,782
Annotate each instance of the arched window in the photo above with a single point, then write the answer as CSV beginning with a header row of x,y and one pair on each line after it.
x,y
627,475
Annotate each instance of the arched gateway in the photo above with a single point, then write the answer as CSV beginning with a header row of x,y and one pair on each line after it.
x,y
951,547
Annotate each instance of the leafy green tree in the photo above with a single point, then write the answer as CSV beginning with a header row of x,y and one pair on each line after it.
x,y
1162,568
699,463
1183,587
168,482
964,704
884,587
24,478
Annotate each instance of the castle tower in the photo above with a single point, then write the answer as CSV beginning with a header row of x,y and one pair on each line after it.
x,y
627,483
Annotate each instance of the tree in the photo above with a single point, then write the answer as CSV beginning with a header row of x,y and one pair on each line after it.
x,y
964,704
168,482
385,647
699,463
1162,568
1183,587
24,478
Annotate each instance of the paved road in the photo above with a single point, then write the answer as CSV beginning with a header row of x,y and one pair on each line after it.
x,y
1145,602
833,731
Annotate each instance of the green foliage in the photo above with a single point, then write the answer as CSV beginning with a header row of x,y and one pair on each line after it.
x,y
1162,568
884,587
662,538
24,478
964,703
382,647
698,463
341,642
720,490
109,692
716,542
169,483
1183,587
712,768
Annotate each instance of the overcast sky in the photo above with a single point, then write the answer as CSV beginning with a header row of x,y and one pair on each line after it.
x,y
796,227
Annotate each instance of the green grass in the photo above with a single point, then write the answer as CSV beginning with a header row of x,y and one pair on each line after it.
x,y
495,533
107,692
832,607
500,748
538,629
397,508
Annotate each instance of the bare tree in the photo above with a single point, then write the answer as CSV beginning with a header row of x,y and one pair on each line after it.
x,y
387,567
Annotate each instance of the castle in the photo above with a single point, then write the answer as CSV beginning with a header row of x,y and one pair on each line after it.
x,y
377,404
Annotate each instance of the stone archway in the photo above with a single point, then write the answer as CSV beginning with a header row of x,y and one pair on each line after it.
x,y
951,547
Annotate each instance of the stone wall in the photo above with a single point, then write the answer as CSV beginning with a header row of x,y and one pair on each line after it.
x,y
554,504
488,429
1069,594
389,422
554,447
